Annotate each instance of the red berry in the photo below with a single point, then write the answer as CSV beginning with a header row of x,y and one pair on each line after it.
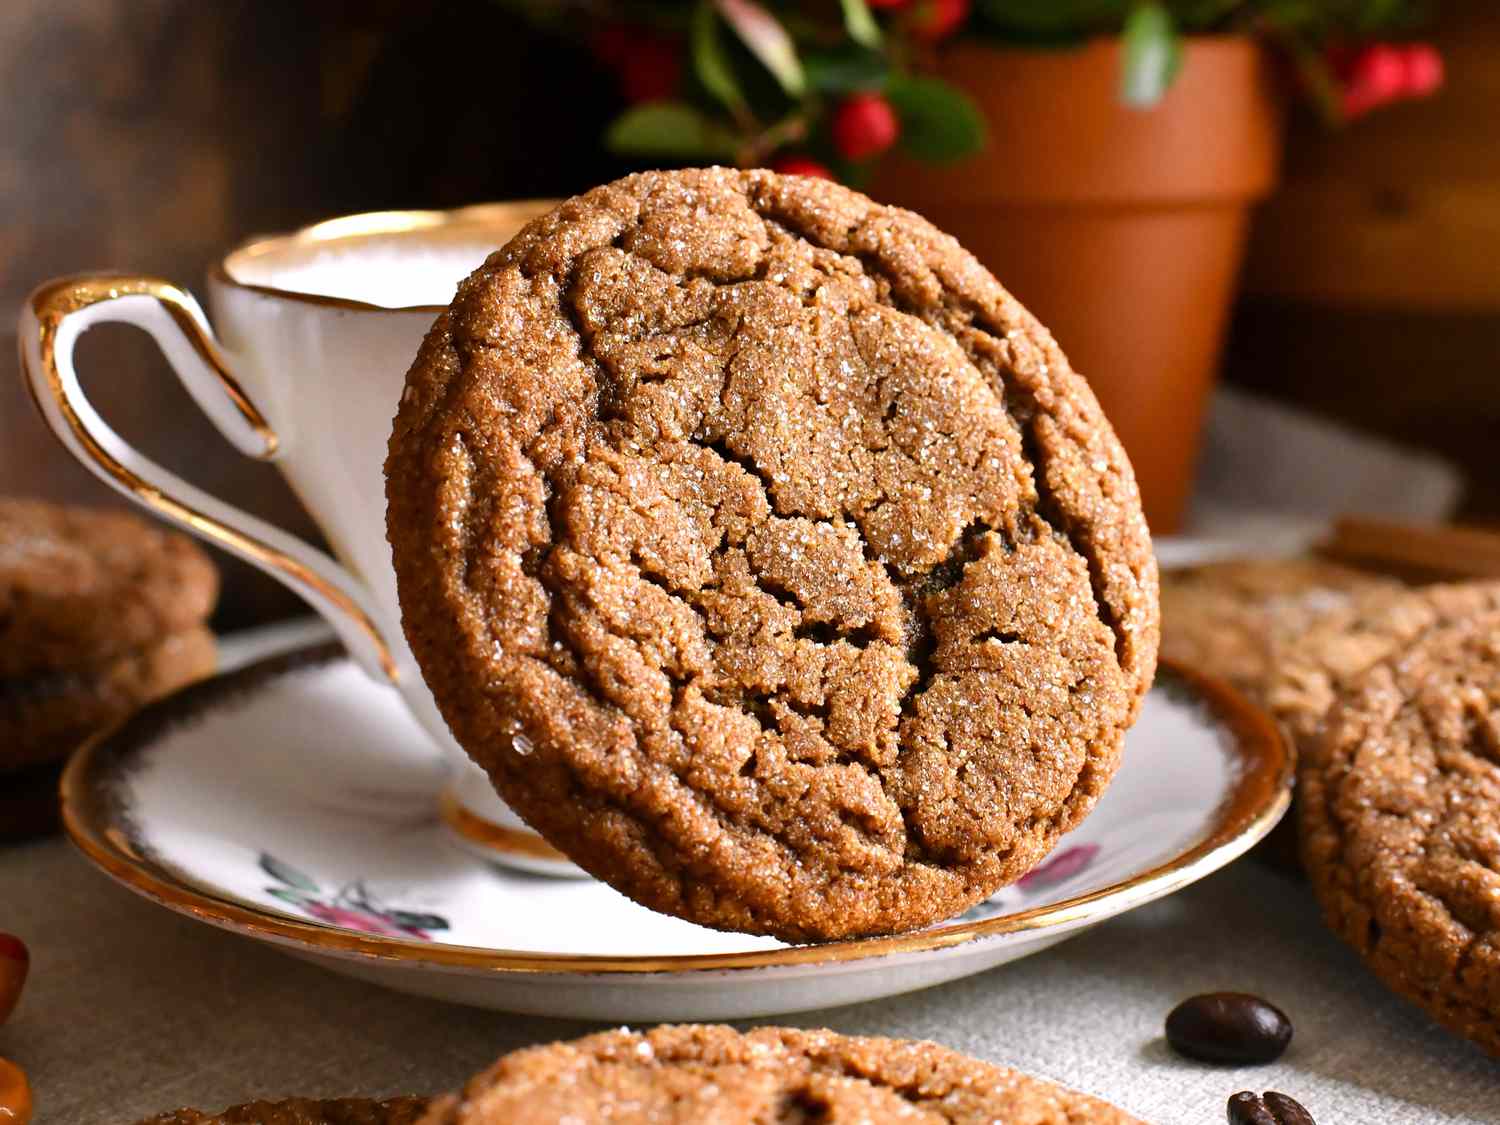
x,y
652,71
801,166
648,65
1377,75
933,20
1424,70
864,125
611,44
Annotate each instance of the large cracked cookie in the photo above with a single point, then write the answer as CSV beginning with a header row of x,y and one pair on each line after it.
x,y
1400,804
706,1073
768,555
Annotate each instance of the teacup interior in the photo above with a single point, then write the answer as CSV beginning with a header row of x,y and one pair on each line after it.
x,y
393,259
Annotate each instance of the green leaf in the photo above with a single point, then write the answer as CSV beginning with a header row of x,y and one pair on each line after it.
x,y
1204,15
840,72
1152,57
284,872
709,61
938,122
861,24
767,40
669,129
1375,15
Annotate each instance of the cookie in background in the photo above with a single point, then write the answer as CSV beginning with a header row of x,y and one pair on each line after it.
x,y
1228,618
100,612
1242,619
1398,795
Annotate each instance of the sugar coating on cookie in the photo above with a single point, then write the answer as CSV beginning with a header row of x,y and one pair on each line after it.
x,y
1400,818
768,555
711,1073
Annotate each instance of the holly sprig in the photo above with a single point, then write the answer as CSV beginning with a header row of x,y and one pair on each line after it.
x,y
1333,46
828,87
822,90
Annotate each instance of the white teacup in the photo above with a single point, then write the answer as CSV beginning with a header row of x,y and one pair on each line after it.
x,y
315,331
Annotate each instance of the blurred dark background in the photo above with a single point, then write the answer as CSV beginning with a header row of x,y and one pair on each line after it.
x,y
151,134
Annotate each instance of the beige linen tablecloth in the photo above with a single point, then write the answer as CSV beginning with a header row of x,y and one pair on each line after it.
x,y
131,1010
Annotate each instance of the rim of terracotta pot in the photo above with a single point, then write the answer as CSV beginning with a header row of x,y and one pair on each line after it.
x,y
1059,134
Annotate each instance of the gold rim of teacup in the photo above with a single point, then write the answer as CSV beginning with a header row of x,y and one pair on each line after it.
x,y
480,216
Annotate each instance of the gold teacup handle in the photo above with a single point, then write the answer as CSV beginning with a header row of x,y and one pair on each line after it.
x,y
53,318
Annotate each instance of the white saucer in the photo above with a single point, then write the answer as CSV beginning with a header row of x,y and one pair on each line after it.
x,y
290,801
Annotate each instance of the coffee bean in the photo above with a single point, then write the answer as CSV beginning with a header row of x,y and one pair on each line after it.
x,y
1246,1108
1228,1027
1288,1111
1269,1108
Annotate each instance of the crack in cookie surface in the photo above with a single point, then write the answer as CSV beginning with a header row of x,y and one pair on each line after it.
x,y
745,537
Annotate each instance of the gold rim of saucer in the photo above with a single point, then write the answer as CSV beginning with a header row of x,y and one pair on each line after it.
x,y
99,827
512,214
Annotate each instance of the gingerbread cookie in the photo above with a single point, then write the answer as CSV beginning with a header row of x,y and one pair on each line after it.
x,y
1399,804
1230,618
768,556
44,717
304,1111
80,587
1315,661
708,1073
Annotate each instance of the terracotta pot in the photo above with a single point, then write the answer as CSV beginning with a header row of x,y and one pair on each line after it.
x,y
1122,229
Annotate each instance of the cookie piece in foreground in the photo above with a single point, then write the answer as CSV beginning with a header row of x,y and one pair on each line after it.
x,y
1400,817
1230,618
303,1111
44,717
768,555
714,1073
82,586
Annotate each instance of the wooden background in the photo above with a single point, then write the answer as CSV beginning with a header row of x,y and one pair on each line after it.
x,y
149,134
1373,281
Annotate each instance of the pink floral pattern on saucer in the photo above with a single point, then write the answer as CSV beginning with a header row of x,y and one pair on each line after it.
x,y
352,907
1059,868
1052,872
